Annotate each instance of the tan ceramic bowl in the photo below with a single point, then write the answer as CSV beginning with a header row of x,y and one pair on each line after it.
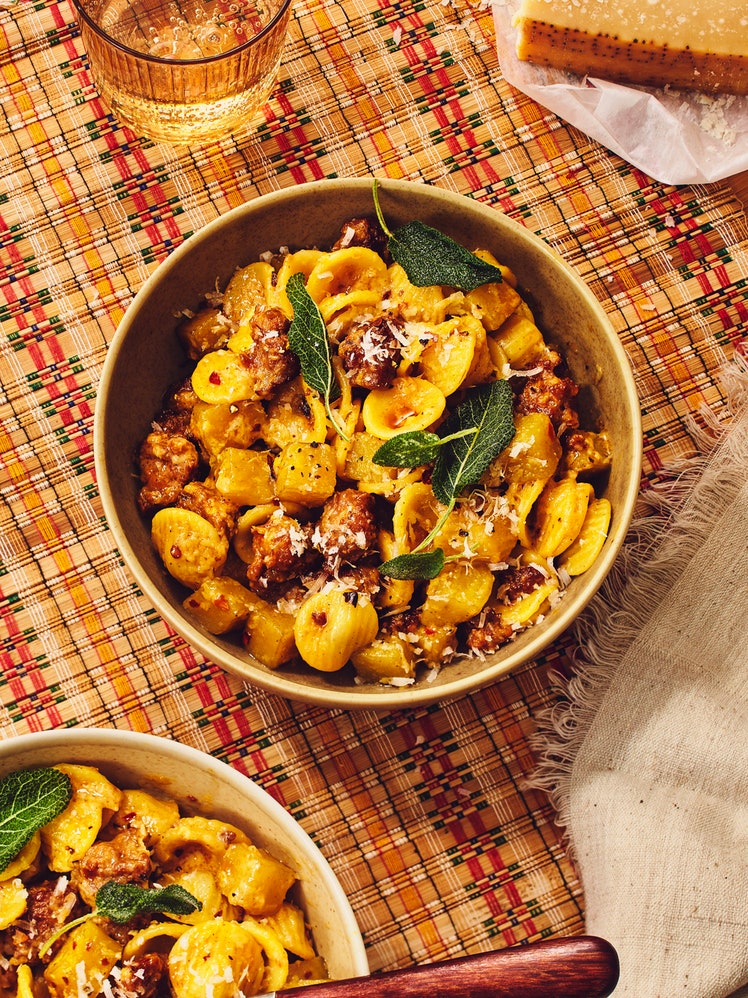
x,y
144,359
202,784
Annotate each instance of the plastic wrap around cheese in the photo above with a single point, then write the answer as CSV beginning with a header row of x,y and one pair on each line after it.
x,y
686,44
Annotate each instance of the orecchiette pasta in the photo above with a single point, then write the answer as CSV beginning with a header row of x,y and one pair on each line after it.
x,y
283,544
246,937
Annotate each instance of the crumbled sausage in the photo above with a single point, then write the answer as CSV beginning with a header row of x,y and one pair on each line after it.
x,y
269,356
550,393
166,462
181,397
144,976
406,623
49,906
370,353
281,550
8,978
124,858
347,529
586,452
207,502
486,633
365,232
519,582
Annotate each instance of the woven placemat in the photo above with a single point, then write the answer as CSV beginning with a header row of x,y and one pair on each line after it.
x,y
424,815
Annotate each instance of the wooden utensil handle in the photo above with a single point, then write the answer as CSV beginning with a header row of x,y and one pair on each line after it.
x,y
573,967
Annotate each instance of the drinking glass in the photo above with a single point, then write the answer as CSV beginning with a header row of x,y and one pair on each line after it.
x,y
182,71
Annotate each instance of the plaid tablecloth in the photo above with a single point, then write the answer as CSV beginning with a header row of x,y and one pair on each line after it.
x,y
425,816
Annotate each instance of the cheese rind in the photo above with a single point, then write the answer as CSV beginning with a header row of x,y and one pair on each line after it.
x,y
696,45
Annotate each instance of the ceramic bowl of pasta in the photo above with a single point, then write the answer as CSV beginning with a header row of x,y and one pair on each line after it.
x,y
134,865
367,445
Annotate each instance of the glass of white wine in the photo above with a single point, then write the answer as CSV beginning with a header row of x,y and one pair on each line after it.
x,y
184,71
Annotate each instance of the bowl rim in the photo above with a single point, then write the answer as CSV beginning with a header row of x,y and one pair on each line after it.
x,y
420,694
190,757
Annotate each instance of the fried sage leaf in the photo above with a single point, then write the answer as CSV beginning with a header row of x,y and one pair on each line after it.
x,y
29,798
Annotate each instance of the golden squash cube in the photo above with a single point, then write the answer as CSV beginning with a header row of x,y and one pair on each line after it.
x,y
295,414
305,473
533,454
385,659
220,604
269,634
205,331
520,339
236,424
253,879
244,476
83,962
493,303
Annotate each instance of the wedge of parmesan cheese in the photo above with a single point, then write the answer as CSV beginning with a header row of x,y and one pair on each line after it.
x,y
686,44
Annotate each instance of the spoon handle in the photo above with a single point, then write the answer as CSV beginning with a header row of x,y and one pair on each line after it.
x,y
570,967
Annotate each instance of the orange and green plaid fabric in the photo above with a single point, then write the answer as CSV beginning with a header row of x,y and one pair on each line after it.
x,y
424,815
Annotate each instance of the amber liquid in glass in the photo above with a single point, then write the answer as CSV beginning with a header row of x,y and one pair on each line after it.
x,y
181,71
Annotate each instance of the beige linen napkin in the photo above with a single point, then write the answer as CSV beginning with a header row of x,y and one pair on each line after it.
x,y
646,759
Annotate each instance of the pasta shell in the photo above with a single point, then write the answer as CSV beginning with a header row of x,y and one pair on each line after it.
x,y
68,836
215,958
331,626
221,377
559,514
248,290
583,551
447,360
415,515
459,592
191,548
410,404
355,268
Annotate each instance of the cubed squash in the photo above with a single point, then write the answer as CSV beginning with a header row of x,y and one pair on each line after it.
x,y
305,473
244,476
220,604
253,879
269,634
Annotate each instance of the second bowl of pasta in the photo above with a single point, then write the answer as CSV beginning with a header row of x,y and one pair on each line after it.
x,y
367,445
132,864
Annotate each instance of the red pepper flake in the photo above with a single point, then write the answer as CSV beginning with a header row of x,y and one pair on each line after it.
x,y
221,602
214,378
175,552
319,618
